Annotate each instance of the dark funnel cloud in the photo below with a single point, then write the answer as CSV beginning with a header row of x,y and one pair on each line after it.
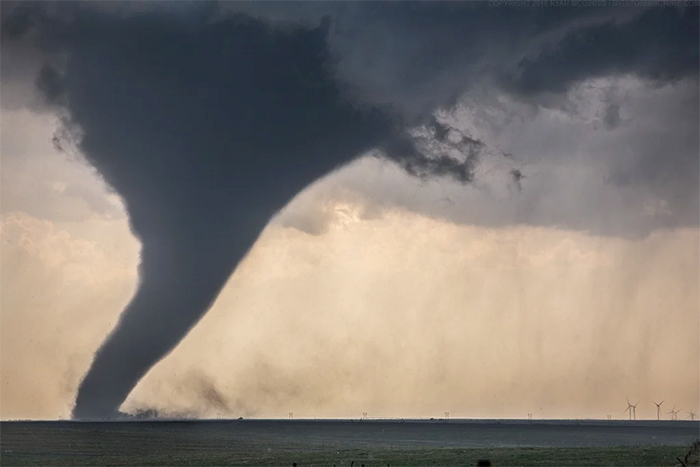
x,y
206,129
207,121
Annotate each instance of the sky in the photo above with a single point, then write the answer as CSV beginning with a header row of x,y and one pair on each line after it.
x,y
549,264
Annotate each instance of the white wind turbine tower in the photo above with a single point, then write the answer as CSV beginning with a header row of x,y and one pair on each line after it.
x,y
674,413
629,408
632,409
691,414
658,409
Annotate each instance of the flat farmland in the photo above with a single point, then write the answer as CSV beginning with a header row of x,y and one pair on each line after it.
x,y
342,442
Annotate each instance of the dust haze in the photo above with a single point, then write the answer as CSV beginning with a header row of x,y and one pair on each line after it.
x,y
502,323
393,315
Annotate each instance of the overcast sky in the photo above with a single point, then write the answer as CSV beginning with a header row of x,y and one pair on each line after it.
x,y
560,277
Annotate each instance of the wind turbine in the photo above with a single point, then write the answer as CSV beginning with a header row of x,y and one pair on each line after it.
x,y
658,409
629,408
674,413
632,408
691,415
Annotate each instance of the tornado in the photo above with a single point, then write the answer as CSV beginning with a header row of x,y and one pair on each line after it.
x,y
212,142
206,130
207,123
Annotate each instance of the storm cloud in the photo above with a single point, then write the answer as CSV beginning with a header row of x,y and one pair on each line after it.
x,y
207,119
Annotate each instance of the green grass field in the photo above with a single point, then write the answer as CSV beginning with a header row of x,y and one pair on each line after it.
x,y
621,456
248,444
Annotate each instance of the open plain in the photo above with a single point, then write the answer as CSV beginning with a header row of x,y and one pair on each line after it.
x,y
342,442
